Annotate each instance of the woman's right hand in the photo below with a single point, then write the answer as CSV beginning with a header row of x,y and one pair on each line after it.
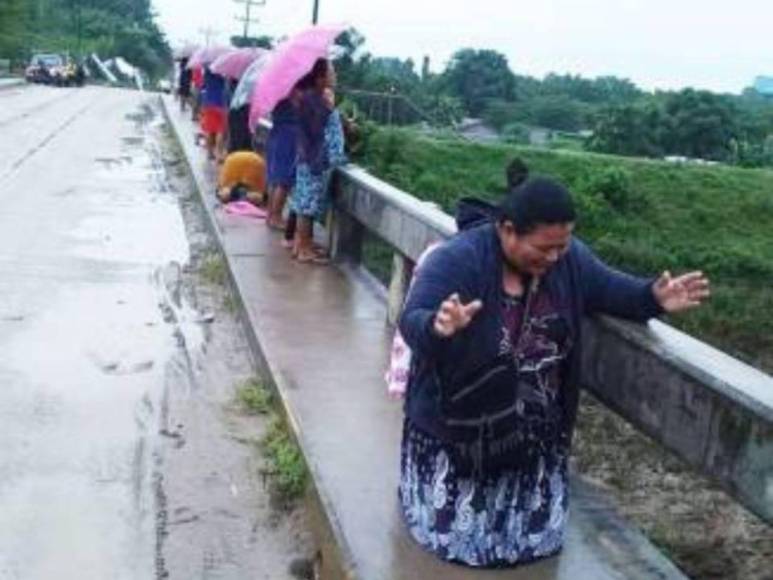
x,y
453,316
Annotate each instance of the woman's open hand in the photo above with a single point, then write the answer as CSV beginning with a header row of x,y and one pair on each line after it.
x,y
453,316
681,293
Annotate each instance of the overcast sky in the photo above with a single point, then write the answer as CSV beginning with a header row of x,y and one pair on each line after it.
x,y
656,43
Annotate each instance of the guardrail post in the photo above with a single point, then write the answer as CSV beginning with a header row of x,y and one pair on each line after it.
x,y
347,236
402,269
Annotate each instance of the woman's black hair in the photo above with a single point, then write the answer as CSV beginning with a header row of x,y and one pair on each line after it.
x,y
537,201
517,172
317,71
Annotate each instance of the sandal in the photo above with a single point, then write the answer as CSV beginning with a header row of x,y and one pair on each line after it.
x,y
313,259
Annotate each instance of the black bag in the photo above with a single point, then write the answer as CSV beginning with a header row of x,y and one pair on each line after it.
x,y
485,396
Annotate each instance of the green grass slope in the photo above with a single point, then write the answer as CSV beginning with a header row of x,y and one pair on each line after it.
x,y
643,216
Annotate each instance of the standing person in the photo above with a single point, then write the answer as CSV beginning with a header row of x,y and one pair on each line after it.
x,y
239,136
197,82
281,156
184,84
320,149
213,114
494,323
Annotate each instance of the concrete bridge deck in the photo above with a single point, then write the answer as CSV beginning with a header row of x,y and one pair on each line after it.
x,y
319,335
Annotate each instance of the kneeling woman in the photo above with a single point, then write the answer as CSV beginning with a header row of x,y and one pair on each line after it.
x,y
493,320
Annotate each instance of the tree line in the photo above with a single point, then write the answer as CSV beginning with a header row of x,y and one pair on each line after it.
x,y
620,117
79,27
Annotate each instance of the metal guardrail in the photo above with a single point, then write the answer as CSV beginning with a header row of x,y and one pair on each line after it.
x,y
712,410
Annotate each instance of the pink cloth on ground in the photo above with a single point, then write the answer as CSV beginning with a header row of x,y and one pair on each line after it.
x,y
245,208
400,358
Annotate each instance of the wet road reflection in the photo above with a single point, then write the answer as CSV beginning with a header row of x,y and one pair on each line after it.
x,y
86,230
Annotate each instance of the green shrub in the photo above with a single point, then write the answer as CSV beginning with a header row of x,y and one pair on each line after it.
x,y
254,397
287,468
213,269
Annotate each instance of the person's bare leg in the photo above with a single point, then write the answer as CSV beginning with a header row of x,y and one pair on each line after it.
x,y
302,247
220,147
288,236
211,146
305,242
278,200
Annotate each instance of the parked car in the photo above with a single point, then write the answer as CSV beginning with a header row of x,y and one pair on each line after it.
x,y
53,69
44,68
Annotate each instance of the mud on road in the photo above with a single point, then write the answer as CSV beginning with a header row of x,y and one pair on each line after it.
x,y
215,515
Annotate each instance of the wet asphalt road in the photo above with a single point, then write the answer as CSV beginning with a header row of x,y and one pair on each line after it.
x,y
88,228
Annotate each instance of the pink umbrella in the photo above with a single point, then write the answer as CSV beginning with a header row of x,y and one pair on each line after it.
x,y
289,64
206,55
233,64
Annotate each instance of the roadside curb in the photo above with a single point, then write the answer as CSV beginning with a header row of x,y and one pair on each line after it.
x,y
327,530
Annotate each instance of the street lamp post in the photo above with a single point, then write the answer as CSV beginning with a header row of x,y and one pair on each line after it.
x,y
315,16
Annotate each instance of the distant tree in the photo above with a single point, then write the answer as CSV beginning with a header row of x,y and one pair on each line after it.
x,y
701,124
558,112
390,74
606,90
112,27
352,64
477,76
628,130
498,113
13,24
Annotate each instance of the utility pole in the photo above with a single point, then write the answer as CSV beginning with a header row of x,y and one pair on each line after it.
x,y
208,33
247,18
315,15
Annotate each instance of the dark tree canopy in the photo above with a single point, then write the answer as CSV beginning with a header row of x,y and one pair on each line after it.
x,y
478,76
124,28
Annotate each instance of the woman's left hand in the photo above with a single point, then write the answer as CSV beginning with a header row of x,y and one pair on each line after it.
x,y
681,293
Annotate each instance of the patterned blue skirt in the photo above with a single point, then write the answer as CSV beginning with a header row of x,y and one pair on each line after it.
x,y
489,520
311,197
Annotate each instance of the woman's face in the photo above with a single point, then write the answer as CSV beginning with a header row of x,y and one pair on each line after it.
x,y
538,251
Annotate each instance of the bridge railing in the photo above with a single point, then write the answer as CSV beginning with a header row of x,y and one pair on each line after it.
x,y
712,410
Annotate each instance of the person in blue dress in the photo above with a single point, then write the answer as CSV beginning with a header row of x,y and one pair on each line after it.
x,y
281,157
320,150
494,323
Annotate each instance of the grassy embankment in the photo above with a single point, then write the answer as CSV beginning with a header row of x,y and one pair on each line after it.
x,y
641,215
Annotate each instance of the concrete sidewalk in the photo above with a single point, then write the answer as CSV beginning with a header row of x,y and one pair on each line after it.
x,y
319,334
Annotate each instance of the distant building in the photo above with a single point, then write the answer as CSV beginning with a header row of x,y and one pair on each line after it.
x,y
764,85
477,130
